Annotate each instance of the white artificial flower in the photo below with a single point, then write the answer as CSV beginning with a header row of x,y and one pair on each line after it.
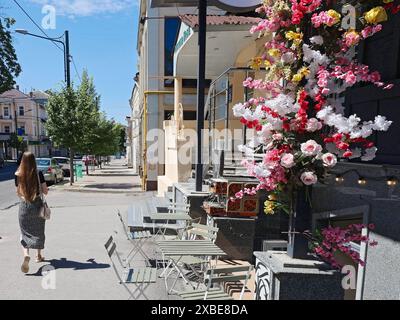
x,y
381,124
318,40
238,110
260,171
370,154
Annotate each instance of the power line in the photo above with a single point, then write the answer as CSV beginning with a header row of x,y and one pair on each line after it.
x,y
76,69
44,33
37,25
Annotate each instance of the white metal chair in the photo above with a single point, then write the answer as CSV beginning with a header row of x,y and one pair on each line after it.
x,y
195,266
141,277
138,239
221,276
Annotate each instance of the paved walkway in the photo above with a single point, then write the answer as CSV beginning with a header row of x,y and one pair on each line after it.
x,y
113,178
75,236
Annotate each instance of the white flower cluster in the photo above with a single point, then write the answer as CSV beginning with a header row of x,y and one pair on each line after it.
x,y
352,125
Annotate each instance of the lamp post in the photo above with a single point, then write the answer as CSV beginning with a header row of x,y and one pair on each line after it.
x,y
67,72
64,43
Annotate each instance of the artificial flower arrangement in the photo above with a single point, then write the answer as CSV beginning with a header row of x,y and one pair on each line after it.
x,y
300,127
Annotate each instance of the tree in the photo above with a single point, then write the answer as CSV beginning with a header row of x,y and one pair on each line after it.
x,y
106,137
122,138
17,143
89,116
9,67
63,124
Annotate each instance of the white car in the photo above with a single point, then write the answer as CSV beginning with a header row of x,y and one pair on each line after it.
x,y
51,170
64,163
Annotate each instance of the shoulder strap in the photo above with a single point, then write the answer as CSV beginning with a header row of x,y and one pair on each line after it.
x,y
40,185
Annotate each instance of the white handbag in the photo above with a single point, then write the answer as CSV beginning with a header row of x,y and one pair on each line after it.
x,y
45,211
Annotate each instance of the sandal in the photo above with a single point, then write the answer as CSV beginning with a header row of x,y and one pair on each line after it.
x,y
25,265
39,259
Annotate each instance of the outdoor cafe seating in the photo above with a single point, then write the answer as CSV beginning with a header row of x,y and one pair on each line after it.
x,y
190,256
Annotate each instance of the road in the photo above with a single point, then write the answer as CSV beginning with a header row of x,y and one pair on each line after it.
x,y
8,196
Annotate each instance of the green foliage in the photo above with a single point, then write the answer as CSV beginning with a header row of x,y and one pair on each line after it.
x,y
122,139
9,67
75,121
17,142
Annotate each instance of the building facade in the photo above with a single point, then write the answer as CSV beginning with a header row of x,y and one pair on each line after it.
x,y
24,115
157,34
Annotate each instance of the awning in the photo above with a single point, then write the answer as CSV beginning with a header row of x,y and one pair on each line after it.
x,y
228,5
227,36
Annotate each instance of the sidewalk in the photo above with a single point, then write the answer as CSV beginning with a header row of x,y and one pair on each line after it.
x,y
113,178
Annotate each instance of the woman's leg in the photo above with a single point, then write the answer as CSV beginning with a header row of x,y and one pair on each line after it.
x,y
25,263
26,251
39,257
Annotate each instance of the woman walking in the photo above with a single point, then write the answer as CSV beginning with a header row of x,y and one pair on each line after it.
x,y
28,180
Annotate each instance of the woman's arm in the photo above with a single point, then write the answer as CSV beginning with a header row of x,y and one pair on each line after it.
x,y
45,189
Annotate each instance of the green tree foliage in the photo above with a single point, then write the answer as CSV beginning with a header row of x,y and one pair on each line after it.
x,y
122,138
9,67
17,142
76,122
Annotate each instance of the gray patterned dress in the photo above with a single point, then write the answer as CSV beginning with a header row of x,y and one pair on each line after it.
x,y
31,224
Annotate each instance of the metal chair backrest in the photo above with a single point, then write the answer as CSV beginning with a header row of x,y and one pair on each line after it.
x,y
204,231
228,274
124,227
111,248
179,208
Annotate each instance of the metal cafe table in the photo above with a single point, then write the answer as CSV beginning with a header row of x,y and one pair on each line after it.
x,y
175,250
161,220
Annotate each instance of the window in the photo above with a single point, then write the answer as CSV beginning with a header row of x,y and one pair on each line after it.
x,y
171,27
7,129
21,130
21,111
6,112
187,115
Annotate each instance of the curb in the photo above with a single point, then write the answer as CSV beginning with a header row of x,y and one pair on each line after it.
x,y
89,190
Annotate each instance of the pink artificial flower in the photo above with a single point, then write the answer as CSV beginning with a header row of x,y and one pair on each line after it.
x,y
287,160
277,136
329,160
311,148
350,78
309,178
313,125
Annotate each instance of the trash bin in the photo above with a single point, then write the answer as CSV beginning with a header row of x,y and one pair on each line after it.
x,y
78,170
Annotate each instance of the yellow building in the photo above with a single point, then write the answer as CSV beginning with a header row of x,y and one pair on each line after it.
x,y
25,115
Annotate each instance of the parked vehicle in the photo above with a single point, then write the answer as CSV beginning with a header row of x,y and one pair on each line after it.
x,y
51,170
2,162
90,160
64,163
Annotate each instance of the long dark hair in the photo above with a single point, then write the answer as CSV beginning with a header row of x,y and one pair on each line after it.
x,y
28,186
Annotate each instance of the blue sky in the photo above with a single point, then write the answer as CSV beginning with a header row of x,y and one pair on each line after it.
x,y
103,41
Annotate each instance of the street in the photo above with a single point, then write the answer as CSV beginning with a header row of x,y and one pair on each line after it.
x,y
8,196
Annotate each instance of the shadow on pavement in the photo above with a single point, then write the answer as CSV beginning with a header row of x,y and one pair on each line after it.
x,y
112,186
64,263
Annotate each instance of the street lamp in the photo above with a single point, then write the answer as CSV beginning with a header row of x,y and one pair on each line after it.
x,y
64,40
65,44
